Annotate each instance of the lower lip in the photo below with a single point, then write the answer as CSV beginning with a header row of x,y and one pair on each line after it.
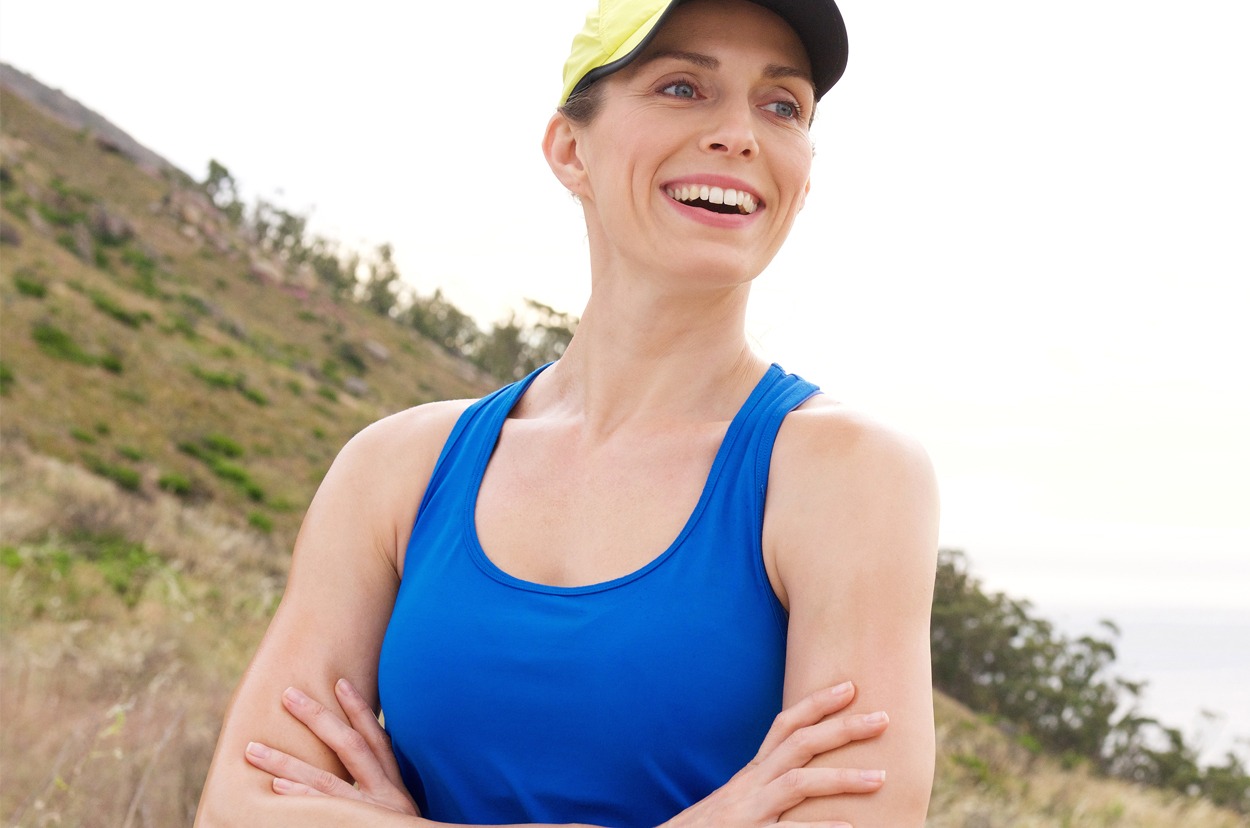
x,y
725,220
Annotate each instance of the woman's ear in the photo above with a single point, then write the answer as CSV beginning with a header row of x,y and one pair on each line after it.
x,y
560,150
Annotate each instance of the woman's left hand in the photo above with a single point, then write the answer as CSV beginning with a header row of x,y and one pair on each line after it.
x,y
361,744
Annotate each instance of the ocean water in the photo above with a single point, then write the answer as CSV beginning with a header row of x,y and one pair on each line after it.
x,y
1196,662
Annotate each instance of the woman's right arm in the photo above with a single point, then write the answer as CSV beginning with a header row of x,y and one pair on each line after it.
x,y
333,615
776,780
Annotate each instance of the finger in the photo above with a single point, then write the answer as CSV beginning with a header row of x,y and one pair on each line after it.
x,y
789,824
799,784
801,746
807,711
286,787
350,747
287,767
365,722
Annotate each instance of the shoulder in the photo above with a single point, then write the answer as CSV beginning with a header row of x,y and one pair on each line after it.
x,y
412,432
379,476
848,493
827,449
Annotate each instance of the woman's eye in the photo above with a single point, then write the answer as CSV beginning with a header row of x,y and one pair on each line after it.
x,y
680,89
785,109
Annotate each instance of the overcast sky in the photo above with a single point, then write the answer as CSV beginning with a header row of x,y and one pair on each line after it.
x,y
1028,240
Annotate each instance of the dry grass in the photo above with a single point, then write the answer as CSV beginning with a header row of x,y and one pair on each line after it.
x,y
987,780
110,711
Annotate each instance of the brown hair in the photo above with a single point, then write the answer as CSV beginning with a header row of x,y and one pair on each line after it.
x,y
583,104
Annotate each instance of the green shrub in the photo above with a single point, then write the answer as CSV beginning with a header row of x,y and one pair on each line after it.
x,y
130,453
10,557
123,476
221,444
175,484
107,305
140,261
28,284
112,363
217,379
254,396
351,355
195,450
60,216
260,521
7,379
66,240
126,566
185,325
229,472
82,436
57,343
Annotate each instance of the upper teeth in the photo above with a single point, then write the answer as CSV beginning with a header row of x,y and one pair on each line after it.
x,y
744,201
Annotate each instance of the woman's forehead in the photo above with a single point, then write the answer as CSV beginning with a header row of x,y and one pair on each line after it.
x,y
698,29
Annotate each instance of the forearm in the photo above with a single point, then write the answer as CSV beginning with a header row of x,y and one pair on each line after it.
x,y
275,811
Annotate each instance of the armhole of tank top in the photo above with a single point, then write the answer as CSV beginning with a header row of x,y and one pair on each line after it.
x,y
512,389
792,398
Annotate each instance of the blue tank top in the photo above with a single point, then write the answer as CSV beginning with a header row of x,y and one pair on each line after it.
x,y
615,704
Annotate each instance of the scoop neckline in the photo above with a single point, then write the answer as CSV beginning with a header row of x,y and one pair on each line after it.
x,y
483,561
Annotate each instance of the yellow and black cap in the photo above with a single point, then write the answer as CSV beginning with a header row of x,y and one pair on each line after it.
x,y
617,30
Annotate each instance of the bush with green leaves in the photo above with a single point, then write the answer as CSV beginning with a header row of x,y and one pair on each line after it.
x,y
124,476
57,343
992,653
29,284
7,379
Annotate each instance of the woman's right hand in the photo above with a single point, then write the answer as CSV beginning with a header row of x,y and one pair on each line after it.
x,y
776,779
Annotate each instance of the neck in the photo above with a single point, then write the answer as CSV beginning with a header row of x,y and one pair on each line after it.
x,y
648,354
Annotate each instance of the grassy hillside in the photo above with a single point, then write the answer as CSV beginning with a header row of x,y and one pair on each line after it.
x,y
168,403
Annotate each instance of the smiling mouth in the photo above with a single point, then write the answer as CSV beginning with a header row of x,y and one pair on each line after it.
x,y
715,199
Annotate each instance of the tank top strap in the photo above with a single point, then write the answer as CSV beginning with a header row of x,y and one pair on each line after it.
x,y
789,393
478,427
749,452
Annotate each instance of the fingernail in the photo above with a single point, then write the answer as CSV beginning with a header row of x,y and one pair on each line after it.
x,y
872,775
282,785
258,750
842,689
294,696
345,687
876,718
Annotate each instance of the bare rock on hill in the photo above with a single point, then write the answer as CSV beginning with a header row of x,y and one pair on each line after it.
x,y
84,245
9,234
109,227
265,272
377,350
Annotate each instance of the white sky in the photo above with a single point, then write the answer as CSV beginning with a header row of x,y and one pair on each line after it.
x,y
1028,241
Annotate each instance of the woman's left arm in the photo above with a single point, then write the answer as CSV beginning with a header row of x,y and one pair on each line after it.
x,y
850,539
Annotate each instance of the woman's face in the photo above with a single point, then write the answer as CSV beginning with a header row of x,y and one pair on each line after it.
x,y
715,110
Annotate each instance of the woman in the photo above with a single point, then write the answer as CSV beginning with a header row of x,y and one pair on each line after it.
x,y
597,616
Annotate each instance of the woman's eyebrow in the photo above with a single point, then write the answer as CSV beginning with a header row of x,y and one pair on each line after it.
x,y
698,59
774,71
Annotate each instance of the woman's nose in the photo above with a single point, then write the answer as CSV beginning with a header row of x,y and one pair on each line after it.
x,y
732,132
